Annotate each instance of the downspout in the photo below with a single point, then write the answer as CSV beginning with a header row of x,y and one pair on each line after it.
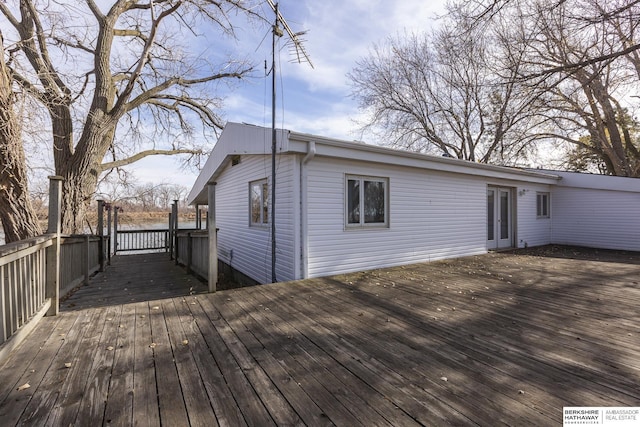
x,y
304,265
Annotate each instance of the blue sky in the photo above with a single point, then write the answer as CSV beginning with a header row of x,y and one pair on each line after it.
x,y
312,100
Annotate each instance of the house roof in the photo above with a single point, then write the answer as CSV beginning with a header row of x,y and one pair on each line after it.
x,y
596,181
245,139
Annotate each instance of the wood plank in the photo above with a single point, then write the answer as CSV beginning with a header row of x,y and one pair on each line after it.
x,y
173,411
391,340
227,411
230,357
24,331
344,402
280,410
195,396
96,393
30,363
146,410
72,390
45,396
292,391
119,404
373,408
497,342
366,348
412,399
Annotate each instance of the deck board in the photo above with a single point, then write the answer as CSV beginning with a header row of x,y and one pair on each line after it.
x,y
498,339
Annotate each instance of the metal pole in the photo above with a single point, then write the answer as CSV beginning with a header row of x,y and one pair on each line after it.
x,y
276,31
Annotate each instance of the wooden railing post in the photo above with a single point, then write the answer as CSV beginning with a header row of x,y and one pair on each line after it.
x,y
213,243
86,267
171,231
101,245
115,230
167,238
52,290
176,227
189,252
109,207
198,219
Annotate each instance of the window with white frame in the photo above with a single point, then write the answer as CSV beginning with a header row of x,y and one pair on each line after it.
x,y
259,202
367,201
542,205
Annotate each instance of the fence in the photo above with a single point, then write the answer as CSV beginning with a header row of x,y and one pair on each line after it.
x,y
23,276
79,259
26,270
141,240
35,272
192,251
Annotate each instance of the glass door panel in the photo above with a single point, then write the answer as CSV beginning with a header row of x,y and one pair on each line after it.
x,y
491,218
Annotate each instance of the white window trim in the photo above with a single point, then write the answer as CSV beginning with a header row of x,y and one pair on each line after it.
x,y
362,224
262,223
538,206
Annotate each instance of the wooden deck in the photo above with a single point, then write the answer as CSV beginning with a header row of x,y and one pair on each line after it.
x,y
499,339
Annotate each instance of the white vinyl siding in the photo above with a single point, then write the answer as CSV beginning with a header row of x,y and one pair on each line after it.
x,y
531,230
605,219
245,247
432,215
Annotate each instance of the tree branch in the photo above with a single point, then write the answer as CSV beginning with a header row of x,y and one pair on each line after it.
x,y
154,92
142,154
581,64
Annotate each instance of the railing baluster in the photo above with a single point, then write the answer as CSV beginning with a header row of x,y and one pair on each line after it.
x,y
12,297
142,240
3,307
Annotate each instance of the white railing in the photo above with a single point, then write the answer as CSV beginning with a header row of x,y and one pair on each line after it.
x,y
23,279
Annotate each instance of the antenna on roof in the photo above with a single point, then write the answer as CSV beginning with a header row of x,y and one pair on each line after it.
x,y
301,55
299,51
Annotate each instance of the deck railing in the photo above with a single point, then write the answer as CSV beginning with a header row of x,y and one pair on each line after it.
x,y
22,282
193,251
25,268
141,240
35,273
79,259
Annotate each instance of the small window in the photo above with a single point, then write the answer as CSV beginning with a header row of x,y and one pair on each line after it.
x,y
259,201
366,202
542,205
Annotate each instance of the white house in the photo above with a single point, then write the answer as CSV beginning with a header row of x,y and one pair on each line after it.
x,y
347,206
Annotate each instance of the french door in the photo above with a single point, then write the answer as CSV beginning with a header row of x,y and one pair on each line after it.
x,y
499,218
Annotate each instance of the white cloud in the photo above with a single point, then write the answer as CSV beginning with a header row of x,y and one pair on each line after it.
x,y
314,101
341,32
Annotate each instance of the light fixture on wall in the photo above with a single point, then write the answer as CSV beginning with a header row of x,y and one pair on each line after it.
x,y
522,192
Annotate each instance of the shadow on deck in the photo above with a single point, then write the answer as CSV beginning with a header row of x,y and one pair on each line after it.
x,y
134,278
496,339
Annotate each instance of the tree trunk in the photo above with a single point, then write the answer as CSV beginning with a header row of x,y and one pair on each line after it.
x,y
18,218
78,188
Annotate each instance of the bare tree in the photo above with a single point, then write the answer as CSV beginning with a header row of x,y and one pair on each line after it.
x,y
19,220
119,84
588,97
440,93
484,12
